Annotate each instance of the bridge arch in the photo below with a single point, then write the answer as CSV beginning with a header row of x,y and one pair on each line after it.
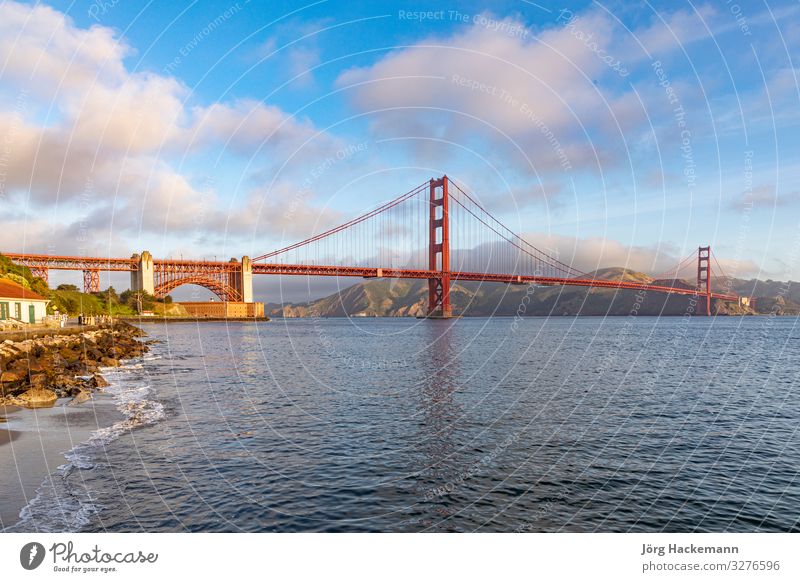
x,y
222,289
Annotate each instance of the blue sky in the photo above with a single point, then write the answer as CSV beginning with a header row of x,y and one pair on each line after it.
x,y
620,134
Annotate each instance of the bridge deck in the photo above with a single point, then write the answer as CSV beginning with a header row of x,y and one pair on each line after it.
x,y
371,272
73,263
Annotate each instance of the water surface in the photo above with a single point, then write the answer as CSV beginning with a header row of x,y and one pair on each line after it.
x,y
559,424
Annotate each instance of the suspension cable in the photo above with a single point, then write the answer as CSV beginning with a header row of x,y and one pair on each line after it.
x,y
348,224
567,268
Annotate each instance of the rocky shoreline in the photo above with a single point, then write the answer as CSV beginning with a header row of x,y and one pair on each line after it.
x,y
35,373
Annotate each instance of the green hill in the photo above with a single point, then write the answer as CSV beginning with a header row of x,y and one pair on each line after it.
x,y
73,302
619,274
70,300
22,276
399,298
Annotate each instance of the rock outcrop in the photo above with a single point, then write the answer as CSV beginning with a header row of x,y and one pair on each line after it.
x,y
34,373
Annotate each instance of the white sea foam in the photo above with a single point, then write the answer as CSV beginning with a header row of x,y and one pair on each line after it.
x,y
64,502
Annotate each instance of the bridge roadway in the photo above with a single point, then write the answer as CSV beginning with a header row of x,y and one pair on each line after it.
x,y
73,263
372,272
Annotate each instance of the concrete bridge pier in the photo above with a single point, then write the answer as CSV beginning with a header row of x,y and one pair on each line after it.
x,y
143,279
242,279
246,280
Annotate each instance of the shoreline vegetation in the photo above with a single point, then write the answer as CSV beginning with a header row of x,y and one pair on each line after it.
x,y
185,319
408,298
62,363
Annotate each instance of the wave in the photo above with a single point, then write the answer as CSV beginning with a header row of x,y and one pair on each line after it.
x,y
63,502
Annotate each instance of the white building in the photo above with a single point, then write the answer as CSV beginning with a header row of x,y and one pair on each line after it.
x,y
17,302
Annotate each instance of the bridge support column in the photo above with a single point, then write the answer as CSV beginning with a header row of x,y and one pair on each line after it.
x,y
41,272
143,278
245,286
704,277
91,281
439,251
242,279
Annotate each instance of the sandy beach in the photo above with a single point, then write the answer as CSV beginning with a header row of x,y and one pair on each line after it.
x,y
33,443
52,399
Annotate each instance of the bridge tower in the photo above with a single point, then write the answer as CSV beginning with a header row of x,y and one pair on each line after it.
x,y
704,276
439,250
143,278
246,280
241,279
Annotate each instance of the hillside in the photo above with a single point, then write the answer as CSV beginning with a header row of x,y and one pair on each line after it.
x,y
69,299
399,298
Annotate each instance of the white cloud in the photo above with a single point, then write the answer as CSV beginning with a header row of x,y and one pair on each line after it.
x,y
247,126
42,47
300,62
674,31
763,197
77,120
283,210
531,98
591,253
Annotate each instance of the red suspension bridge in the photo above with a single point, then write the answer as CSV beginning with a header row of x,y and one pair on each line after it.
x,y
436,232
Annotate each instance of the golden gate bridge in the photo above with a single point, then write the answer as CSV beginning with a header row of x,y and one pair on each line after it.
x,y
436,231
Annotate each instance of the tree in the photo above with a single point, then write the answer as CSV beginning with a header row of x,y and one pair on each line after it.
x,y
19,279
68,305
138,300
7,266
67,287
110,296
39,285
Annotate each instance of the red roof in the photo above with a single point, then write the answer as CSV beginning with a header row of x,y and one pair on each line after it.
x,y
10,290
